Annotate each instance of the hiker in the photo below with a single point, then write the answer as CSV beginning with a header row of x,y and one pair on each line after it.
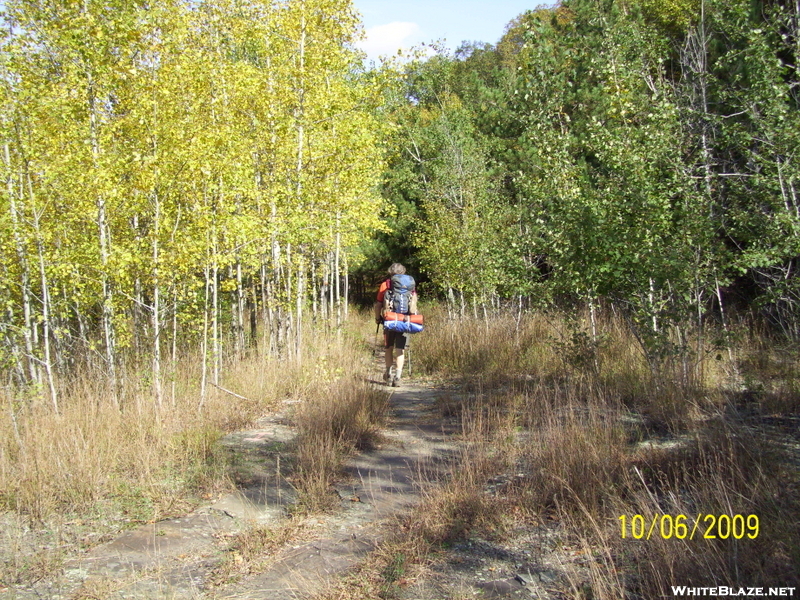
x,y
397,294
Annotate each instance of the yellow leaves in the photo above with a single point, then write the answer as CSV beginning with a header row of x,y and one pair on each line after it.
x,y
190,141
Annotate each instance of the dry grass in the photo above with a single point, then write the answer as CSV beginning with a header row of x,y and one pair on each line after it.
x,y
587,432
331,426
726,469
95,463
581,429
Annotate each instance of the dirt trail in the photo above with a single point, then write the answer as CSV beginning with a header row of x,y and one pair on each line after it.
x,y
382,483
174,559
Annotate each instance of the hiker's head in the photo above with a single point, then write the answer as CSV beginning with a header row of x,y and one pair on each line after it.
x,y
397,269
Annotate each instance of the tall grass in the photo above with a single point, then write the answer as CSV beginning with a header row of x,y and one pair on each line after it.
x,y
146,461
598,432
332,425
74,479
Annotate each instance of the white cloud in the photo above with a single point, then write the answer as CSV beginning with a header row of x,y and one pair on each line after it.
x,y
387,39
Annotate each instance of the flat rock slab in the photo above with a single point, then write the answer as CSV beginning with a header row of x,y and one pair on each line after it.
x,y
150,545
168,559
303,570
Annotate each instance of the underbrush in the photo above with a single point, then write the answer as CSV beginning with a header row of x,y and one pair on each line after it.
x,y
563,429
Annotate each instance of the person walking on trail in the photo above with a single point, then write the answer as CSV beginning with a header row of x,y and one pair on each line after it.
x,y
396,294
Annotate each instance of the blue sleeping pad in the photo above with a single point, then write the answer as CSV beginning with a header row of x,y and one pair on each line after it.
x,y
403,327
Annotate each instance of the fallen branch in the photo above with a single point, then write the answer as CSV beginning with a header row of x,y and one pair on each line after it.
x,y
234,394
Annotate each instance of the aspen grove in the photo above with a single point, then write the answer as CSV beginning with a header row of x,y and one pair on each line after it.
x,y
177,173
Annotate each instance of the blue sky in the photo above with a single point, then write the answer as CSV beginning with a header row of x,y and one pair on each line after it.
x,y
393,24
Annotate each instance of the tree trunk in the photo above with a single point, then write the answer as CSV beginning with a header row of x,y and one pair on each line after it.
x,y
105,247
314,289
204,372
27,331
299,310
174,354
336,274
346,283
156,304
48,363
240,342
215,337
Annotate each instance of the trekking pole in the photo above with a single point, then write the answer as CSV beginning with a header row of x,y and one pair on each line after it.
x,y
409,356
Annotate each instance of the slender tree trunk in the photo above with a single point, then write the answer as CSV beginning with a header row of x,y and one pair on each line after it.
x,y
324,290
724,319
331,286
105,247
337,273
299,311
266,309
174,353
300,124
346,282
156,304
22,257
451,303
48,362
215,337
204,372
140,322
253,314
288,319
240,302
651,296
314,289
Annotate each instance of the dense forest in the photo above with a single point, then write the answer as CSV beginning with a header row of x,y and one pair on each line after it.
x,y
640,153
210,174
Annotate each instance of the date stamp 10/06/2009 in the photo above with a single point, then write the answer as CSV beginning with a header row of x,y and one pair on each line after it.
x,y
681,527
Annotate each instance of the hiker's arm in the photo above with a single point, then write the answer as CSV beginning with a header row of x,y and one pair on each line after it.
x,y
412,304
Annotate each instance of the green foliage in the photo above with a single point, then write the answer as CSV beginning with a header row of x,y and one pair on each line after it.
x,y
643,152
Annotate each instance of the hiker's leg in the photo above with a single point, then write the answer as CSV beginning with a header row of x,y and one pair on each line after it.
x,y
401,358
388,342
389,358
400,344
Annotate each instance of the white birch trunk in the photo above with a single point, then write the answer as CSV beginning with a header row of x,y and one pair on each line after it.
x,y
48,363
156,317
27,330
204,372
